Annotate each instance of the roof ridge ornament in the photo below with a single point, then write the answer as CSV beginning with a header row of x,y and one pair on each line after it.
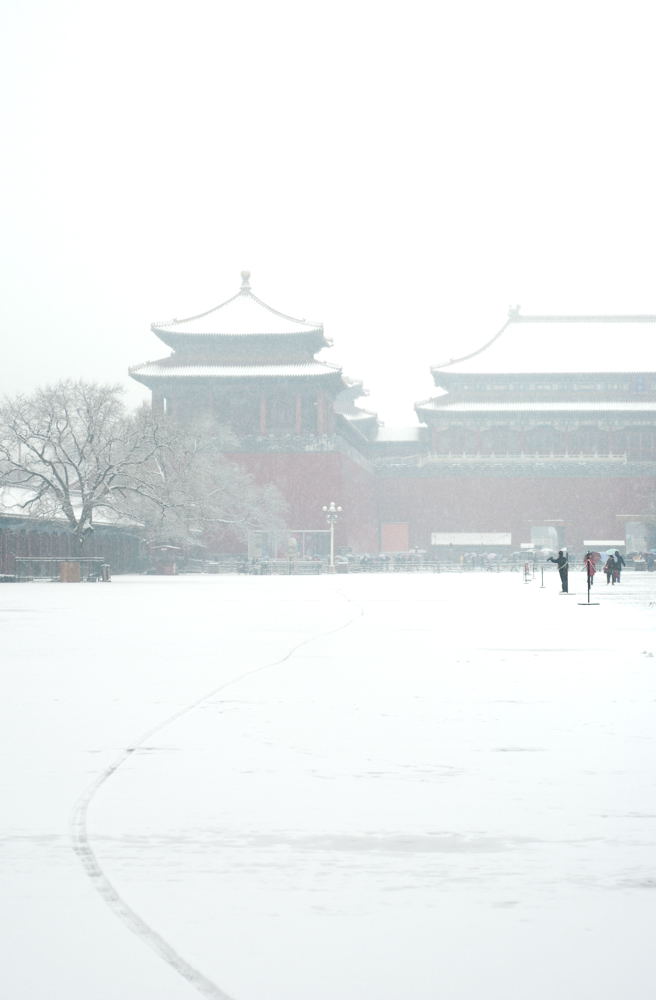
x,y
513,312
245,282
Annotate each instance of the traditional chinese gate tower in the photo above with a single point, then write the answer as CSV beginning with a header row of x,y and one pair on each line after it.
x,y
253,369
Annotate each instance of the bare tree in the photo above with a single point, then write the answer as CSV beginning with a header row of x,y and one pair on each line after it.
x,y
74,450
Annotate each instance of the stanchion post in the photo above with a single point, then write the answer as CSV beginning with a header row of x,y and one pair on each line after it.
x,y
588,603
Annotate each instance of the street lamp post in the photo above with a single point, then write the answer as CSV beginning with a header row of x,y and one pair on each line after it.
x,y
332,512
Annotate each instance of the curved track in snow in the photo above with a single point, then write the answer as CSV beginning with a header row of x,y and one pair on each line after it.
x,y
81,842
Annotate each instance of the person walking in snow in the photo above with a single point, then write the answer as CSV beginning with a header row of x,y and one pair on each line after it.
x,y
590,566
610,569
619,565
562,563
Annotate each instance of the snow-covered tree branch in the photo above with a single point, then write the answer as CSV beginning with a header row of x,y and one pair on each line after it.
x,y
76,451
201,493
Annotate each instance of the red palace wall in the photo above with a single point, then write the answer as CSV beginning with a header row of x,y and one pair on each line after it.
x,y
587,505
310,480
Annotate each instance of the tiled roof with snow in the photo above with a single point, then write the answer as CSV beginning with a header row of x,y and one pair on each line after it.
x,y
242,315
15,502
588,406
160,369
562,344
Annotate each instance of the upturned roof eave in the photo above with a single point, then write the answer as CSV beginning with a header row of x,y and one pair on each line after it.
x,y
515,318
245,294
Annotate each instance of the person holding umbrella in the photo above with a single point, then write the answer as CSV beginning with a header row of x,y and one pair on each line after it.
x,y
590,566
562,563
619,565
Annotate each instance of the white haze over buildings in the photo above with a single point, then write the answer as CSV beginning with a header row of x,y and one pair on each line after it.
x,y
401,173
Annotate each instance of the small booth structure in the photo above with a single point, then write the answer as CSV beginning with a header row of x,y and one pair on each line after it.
x,y
165,560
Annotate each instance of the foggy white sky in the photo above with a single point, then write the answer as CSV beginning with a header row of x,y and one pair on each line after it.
x,y
401,172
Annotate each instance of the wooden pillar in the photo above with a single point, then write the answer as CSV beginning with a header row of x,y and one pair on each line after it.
x,y
298,424
263,414
158,404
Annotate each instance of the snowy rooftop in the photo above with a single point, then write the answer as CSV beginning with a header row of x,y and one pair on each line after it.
x,y
241,315
13,500
160,369
562,344
591,406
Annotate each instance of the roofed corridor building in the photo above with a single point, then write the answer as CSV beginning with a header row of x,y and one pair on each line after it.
x,y
560,385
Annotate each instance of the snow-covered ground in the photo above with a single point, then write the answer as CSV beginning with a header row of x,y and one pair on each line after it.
x,y
371,788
